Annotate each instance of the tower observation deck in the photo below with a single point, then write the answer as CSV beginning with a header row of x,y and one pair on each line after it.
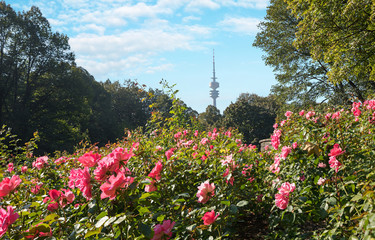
x,y
214,94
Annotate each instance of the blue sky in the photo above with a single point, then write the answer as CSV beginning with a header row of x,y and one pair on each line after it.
x,y
150,40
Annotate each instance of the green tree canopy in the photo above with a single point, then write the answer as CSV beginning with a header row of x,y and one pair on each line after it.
x,y
253,115
302,77
342,34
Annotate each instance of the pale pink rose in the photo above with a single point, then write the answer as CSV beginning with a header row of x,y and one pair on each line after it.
x,y
281,201
285,152
196,133
23,169
228,133
321,181
288,114
322,165
209,217
204,141
178,135
286,188
40,162
205,191
310,114
163,231
301,113
294,145
282,123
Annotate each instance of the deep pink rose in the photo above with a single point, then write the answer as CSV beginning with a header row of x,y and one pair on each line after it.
x,y
209,217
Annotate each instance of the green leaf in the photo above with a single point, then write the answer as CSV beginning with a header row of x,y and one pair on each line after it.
x,y
233,209
101,221
145,230
226,202
143,210
93,232
102,214
242,203
51,218
160,218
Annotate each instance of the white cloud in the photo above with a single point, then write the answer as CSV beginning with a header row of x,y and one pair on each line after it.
x,y
258,4
190,18
242,25
196,5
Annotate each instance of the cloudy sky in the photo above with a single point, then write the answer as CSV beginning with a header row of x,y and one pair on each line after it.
x,y
151,40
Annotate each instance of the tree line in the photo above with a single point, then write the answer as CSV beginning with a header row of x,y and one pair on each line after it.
x,y
322,53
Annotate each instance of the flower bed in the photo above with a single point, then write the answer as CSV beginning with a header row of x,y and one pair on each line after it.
x,y
181,183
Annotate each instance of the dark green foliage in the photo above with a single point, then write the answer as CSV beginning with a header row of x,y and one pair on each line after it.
x,y
211,118
300,63
253,115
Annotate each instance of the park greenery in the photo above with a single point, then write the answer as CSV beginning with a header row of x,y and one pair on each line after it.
x,y
115,160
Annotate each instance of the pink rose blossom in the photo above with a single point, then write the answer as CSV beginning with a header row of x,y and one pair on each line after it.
x,y
301,113
281,201
114,183
288,114
286,188
322,165
163,231
40,162
10,167
155,172
204,141
285,152
275,139
205,191
81,179
196,133
169,153
8,185
310,114
321,181
334,163
209,217
151,186
336,151
89,159
294,145
7,217
23,169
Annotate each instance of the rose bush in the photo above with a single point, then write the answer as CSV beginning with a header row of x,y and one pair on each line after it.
x,y
175,181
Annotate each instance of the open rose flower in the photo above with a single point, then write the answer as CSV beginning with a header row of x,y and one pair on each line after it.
x,y
209,217
205,191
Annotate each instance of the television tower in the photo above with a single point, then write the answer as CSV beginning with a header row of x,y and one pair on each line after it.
x,y
214,85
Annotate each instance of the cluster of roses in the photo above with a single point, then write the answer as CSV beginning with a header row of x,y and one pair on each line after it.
x,y
282,198
205,191
58,199
333,162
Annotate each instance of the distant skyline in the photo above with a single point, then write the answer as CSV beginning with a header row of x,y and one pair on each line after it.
x,y
151,40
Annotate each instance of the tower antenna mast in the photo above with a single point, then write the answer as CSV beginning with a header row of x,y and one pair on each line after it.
x,y
214,94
